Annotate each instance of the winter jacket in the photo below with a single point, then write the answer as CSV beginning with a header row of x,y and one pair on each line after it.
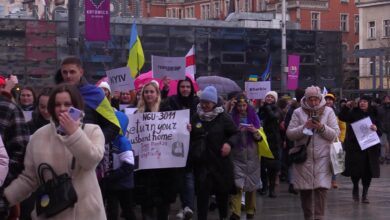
x,y
359,162
315,172
271,117
246,162
46,146
218,131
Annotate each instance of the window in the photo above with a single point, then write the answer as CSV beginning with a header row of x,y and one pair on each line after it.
x,y
226,7
386,28
371,32
247,6
217,10
356,24
205,11
344,22
189,12
315,20
372,66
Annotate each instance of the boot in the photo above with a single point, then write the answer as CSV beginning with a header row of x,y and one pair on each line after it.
x,y
272,193
355,193
292,190
364,196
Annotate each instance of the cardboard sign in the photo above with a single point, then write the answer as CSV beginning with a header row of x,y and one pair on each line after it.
x,y
120,79
257,90
159,139
172,67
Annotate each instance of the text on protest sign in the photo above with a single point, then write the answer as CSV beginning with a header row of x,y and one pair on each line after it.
x,y
257,90
172,67
120,79
159,139
364,135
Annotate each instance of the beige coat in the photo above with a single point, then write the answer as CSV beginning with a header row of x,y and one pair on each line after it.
x,y
46,146
315,172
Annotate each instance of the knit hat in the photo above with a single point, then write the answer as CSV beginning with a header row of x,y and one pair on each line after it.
x,y
105,85
209,94
313,91
366,97
330,95
272,93
2,81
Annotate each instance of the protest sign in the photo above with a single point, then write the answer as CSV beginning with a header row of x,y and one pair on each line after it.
x,y
171,67
365,136
257,90
120,79
159,139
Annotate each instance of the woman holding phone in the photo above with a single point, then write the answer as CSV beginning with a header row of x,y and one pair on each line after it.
x,y
79,147
245,157
314,125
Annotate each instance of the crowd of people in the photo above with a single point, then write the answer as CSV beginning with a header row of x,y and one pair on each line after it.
x,y
224,163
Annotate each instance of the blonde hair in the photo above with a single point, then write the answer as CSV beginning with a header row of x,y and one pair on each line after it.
x,y
142,105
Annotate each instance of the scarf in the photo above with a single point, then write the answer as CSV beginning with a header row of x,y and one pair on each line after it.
x,y
208,116
316,110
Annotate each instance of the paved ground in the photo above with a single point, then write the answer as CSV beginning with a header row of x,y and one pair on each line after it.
x,y
339,206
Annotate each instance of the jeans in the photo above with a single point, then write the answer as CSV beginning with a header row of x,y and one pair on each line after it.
x,y
187,191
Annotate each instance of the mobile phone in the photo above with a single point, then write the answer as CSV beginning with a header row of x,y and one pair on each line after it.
x,y
244,125
75,114
315,118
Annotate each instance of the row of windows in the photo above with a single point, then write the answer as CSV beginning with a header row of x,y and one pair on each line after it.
x,y
344,22
371,29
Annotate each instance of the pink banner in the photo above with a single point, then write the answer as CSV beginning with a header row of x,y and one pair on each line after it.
x,y
293,72
97,20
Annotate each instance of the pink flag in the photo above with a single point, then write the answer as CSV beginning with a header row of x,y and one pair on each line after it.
x,y
293,72
190,62
97,20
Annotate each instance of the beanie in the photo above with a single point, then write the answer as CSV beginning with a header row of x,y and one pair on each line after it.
x,y
209,94
366,97
330,95
105,85
2,81
272,93
313,91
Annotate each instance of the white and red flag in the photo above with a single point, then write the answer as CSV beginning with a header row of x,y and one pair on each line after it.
x,y
190,62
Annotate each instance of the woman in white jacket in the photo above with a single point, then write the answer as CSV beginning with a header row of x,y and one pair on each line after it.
x,y
313,119
85,145
3,162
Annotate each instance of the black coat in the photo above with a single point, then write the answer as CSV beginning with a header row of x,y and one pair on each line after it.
x,y
271,116
212,165
359,163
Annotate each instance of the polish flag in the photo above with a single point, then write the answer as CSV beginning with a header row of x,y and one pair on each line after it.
x,y
190,62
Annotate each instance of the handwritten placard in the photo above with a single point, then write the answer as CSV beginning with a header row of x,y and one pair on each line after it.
x,y
364,135
172,67
159,139
120,79
257,90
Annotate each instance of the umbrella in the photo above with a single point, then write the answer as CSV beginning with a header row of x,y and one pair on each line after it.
x,y
222,84
144,78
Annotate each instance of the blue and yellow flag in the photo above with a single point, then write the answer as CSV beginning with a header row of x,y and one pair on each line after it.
x,y
253,78
95,99
266,76
136,58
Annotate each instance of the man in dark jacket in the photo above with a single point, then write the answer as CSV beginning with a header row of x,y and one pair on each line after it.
x,y
15,135
97,109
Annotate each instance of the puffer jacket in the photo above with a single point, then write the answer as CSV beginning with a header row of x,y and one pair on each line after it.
x,y
315,172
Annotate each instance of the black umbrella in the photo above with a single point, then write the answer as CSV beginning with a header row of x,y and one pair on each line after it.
x,y
223,85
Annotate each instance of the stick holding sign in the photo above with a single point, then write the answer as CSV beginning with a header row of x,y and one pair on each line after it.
x,y
120,79
171,67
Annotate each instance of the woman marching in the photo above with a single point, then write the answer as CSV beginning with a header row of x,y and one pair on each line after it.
x,y
314,125
360,164
245,158
212,137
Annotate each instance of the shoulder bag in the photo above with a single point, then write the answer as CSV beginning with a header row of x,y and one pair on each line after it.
x,y
299,156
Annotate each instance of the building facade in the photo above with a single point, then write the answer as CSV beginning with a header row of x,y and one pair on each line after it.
x,y
374,40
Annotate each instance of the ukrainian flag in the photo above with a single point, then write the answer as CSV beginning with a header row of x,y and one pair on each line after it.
x,y
253,78
136,58
95,99
266,76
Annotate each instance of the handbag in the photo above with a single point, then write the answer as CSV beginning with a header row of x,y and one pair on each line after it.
x,y
337,157
56,194
299,156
